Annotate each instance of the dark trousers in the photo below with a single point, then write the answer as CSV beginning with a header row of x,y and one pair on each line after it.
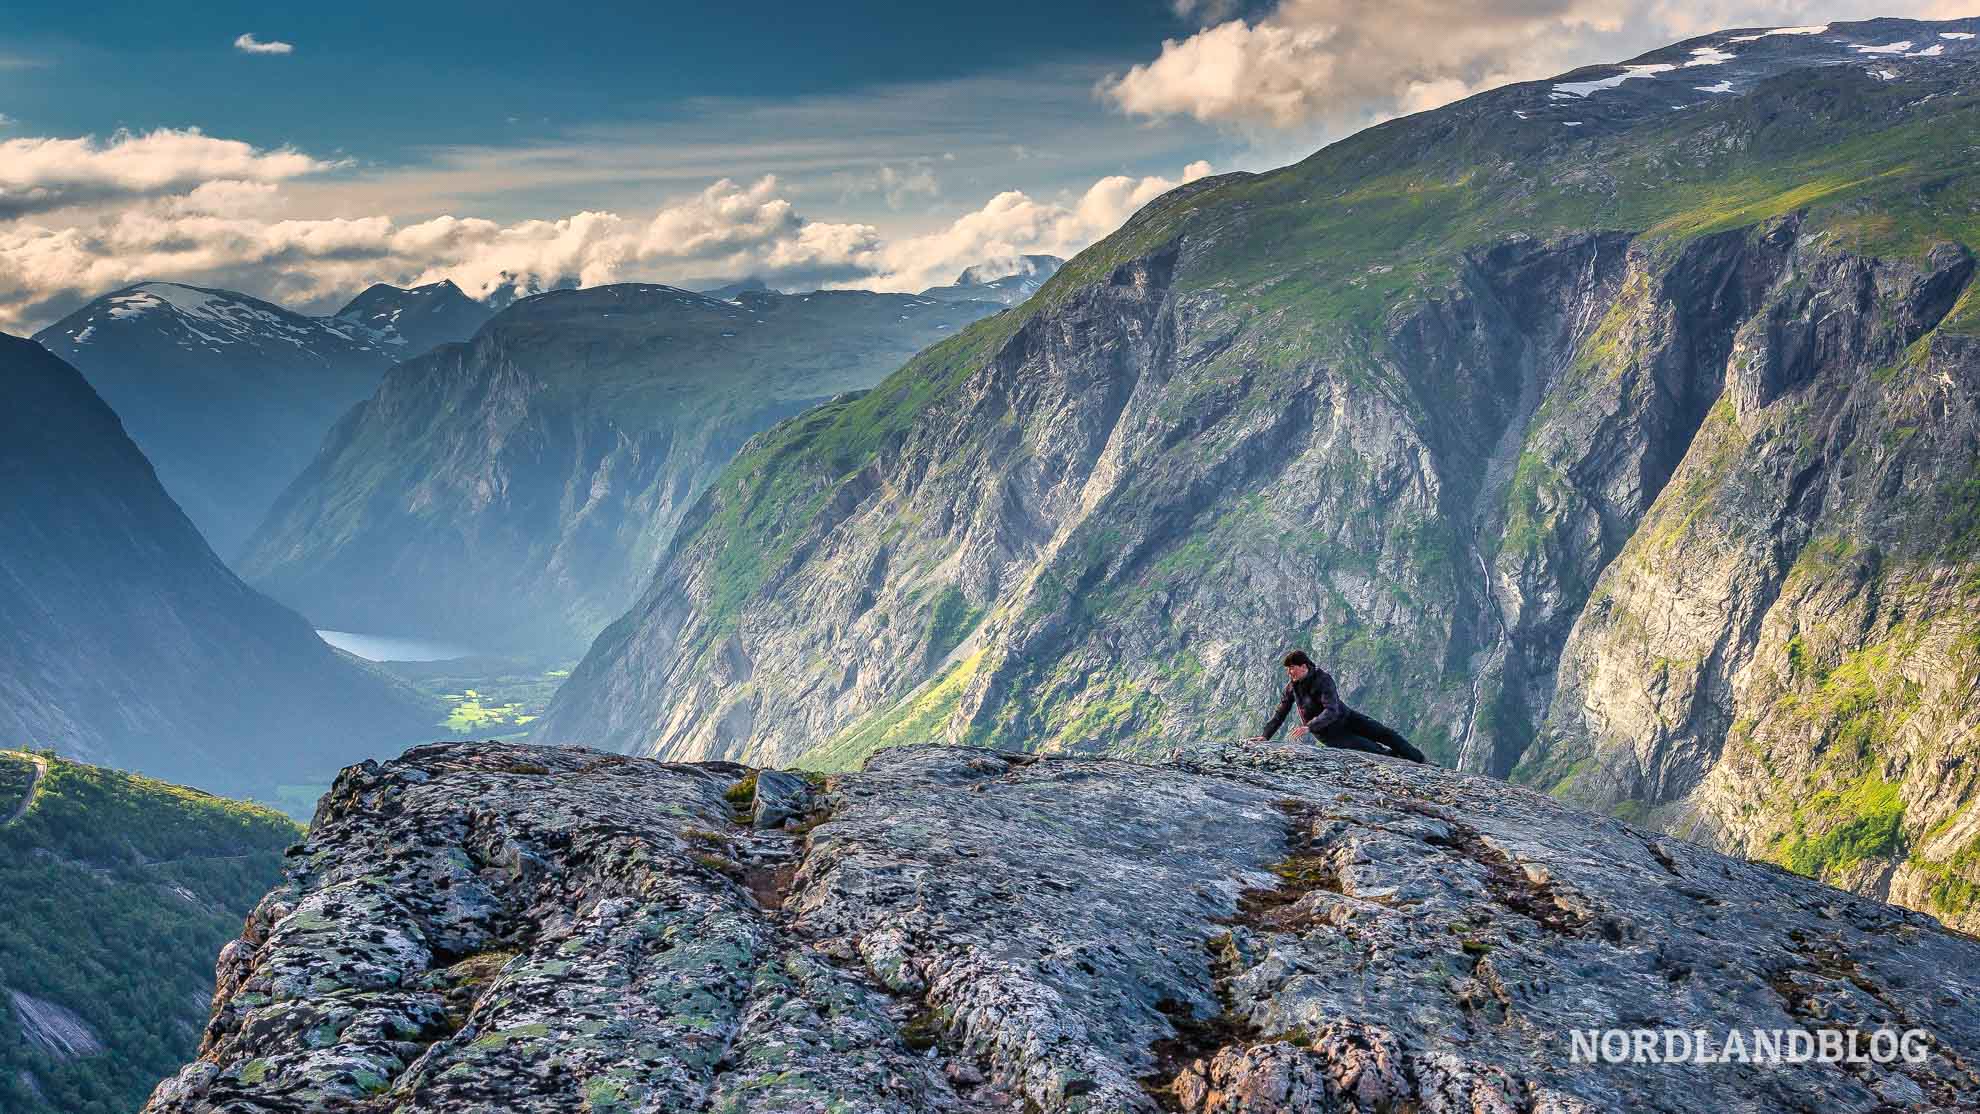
x,y
1354,731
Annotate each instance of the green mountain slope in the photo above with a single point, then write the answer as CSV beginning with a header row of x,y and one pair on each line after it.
x,y
1419,402
119,892
514,494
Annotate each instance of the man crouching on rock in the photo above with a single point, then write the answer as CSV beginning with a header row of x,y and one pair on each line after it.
x,y
1322,713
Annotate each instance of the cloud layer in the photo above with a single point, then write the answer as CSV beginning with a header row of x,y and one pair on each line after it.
x,y
81,216
1341,63
40,173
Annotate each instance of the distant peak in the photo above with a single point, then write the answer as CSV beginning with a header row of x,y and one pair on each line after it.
x,y
1026,266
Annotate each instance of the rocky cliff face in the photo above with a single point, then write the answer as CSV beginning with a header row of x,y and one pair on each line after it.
x,y
129,643
515,493
1520,413
501,927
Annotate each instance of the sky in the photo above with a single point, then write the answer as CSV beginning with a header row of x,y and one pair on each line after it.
x,y
300,154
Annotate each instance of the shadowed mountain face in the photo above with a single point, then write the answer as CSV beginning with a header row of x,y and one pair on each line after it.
x,y
128,642
514,493
412,321
226,394
1616,430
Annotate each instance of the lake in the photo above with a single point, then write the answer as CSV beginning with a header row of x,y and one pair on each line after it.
x,y
385,647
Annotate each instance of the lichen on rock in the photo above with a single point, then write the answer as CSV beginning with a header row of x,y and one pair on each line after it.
x,y
482,927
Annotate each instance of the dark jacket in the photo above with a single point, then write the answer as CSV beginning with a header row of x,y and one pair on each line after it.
x,y
1319,702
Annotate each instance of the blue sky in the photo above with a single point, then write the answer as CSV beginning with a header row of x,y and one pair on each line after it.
x,y
302,153
401,85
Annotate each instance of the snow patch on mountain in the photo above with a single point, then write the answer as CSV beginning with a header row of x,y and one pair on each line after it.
x,y
1584,88
1779,31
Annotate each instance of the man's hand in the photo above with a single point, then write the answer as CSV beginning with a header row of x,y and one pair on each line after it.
x,y
1255,739
1299,730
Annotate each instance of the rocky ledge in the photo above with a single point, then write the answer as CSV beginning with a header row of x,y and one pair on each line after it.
x,y
484,927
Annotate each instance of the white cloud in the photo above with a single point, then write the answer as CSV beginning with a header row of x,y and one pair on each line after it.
x,y
89,216
1012,225
38,174
248,44
1343,63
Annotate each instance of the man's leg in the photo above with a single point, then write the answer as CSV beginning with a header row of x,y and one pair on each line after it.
x,y
1380,732
1338,734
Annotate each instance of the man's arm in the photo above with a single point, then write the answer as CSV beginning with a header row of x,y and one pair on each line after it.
x,y
1279,717
1331,708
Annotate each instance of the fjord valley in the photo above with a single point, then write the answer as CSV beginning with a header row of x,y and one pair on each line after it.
x,y
844,687
515,493
1614,432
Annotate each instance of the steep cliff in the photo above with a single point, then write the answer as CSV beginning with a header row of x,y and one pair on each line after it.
x,y
515,493
128,643
1416,403
491,927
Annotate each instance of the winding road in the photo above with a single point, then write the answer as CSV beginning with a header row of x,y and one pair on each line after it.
x,y
34,784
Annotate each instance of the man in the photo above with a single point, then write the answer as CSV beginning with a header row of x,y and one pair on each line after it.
x,y
1327,718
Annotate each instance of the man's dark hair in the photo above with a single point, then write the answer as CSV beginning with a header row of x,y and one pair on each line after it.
x,y
1297,657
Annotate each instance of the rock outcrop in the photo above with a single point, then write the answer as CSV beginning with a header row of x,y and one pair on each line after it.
x,y
481,927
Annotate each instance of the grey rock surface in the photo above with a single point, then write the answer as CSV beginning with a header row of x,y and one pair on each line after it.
x,y
483,927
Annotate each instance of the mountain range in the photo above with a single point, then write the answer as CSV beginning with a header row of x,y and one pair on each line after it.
x,y
1614,432
513,494
129,643
229,396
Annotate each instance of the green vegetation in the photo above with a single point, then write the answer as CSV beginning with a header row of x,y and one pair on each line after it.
x,y
954,618
1863,820
919,717
498,701
773,491
469,715
1952,890
119,892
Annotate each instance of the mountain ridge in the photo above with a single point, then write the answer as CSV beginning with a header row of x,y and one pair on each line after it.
x,y
102,867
